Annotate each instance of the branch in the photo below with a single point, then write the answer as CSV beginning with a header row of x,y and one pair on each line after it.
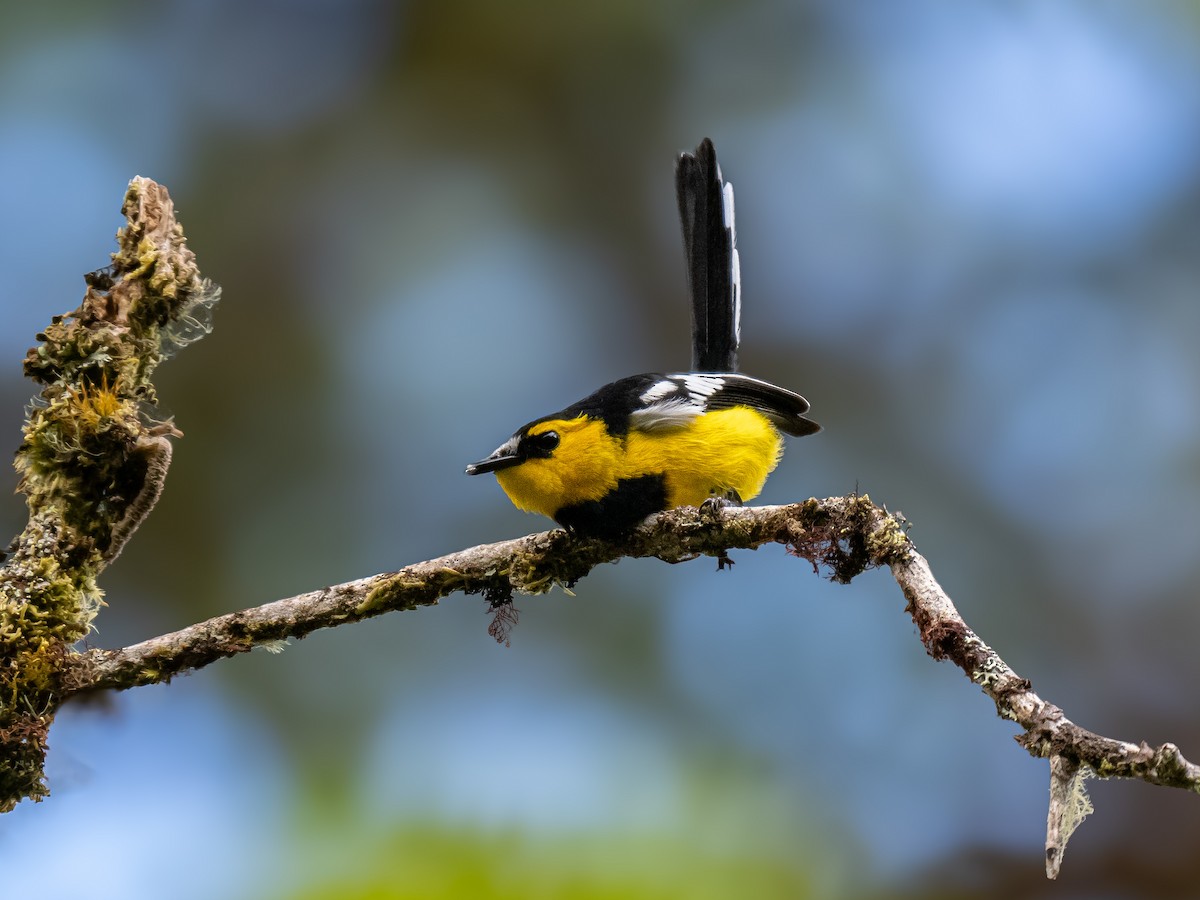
x,y
92,464
1073,751
845,534
528,565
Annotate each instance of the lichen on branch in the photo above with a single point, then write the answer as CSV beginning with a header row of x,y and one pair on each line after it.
x,y
91,463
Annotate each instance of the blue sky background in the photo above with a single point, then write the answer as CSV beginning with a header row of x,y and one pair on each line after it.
x,y
970,235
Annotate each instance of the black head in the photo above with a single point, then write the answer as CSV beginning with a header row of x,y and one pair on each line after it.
x,y
526,444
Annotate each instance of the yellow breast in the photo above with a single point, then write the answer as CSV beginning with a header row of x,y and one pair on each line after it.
x,y
725,450
585,466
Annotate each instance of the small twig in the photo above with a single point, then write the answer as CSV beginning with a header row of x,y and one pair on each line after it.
x,y
156,451
1048,731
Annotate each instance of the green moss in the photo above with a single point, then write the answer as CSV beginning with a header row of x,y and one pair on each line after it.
x,y
889,543
396,592
529,574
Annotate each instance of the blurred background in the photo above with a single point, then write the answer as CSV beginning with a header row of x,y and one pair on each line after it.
x,y
970,235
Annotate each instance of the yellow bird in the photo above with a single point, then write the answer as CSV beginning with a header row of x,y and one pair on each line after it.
x,y
652,442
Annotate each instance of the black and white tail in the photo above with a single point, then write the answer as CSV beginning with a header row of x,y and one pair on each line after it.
x,y
710,243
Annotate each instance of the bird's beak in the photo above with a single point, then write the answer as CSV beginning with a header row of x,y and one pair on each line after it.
x,y
504,458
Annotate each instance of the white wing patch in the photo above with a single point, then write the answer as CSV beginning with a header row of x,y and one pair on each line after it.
x,y
658,390
675,401
701,387
666,414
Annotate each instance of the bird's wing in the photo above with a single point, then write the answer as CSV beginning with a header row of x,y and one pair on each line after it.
x,y
675,400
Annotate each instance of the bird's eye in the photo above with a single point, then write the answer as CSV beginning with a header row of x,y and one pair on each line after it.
x,y
543,444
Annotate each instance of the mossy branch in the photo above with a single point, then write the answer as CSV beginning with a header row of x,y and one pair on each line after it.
x,y
95,458
92,463
833,532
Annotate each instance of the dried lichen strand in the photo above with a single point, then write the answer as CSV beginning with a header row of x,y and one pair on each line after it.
x,y
91,463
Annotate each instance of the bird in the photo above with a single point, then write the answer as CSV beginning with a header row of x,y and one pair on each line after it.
x,y
652,442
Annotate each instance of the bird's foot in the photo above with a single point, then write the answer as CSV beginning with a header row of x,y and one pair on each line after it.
x,y
710,509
